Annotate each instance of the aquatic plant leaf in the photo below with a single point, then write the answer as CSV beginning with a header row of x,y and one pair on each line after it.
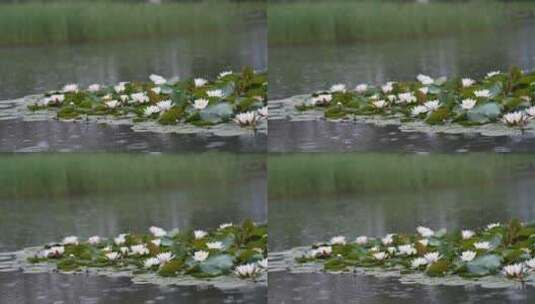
x,y
216,113
216,265
484,265
484,113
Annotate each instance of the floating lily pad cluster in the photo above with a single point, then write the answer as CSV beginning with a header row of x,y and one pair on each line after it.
x,y
238,250
507,250
232,97
506,98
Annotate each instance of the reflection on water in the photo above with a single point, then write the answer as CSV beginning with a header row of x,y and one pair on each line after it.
x,y
31,70
302,69
347,288
39,136
92,199
65,289
330,136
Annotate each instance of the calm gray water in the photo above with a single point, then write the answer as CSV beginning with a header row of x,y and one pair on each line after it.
x,y
303,69
318,217
36,220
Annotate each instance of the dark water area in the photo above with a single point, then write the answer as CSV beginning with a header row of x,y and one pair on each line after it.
x,y
302,69
56,288
333,136
53,135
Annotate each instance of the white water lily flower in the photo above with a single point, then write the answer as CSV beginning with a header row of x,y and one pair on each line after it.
x,y
245,119
361,88
339,87
424,242
467,82
124,250
419,110
493,225
70,240
150,262
165,257
157,231
531,263
112,104
200,256
322,99
140,249
55,99
55,251
156,90
466,234
140,97
432,257
432,105
323,251
418,262
214,245
362,240
157,242
151,110
70,88
123,98
113,256
224,73
338,240
94,88
106,249
391,250
215,93
374,249
468,104
119,88
200,104
392,98
164,105
424,90
388,239
493,73
467,256
482,93
482,245
515,119
263,112
407,97
425,232
263,263
407,249
379,256
225,225
379,104
94,240
199,82
514,271
425,80
531,111
199,234
246,271
388,87
157,79
120,239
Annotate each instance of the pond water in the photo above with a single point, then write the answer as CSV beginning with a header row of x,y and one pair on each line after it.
x,y
302,69
117,200
28,70
499,190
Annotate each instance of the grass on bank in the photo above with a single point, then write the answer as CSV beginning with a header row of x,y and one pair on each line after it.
x,y
58,22
306,22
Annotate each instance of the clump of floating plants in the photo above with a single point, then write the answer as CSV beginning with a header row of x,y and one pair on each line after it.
x,y
232,97
506,98
237,250
506,250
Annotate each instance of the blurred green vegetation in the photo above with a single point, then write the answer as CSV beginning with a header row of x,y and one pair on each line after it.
x,y
101,20
336,21
58,175
311,175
